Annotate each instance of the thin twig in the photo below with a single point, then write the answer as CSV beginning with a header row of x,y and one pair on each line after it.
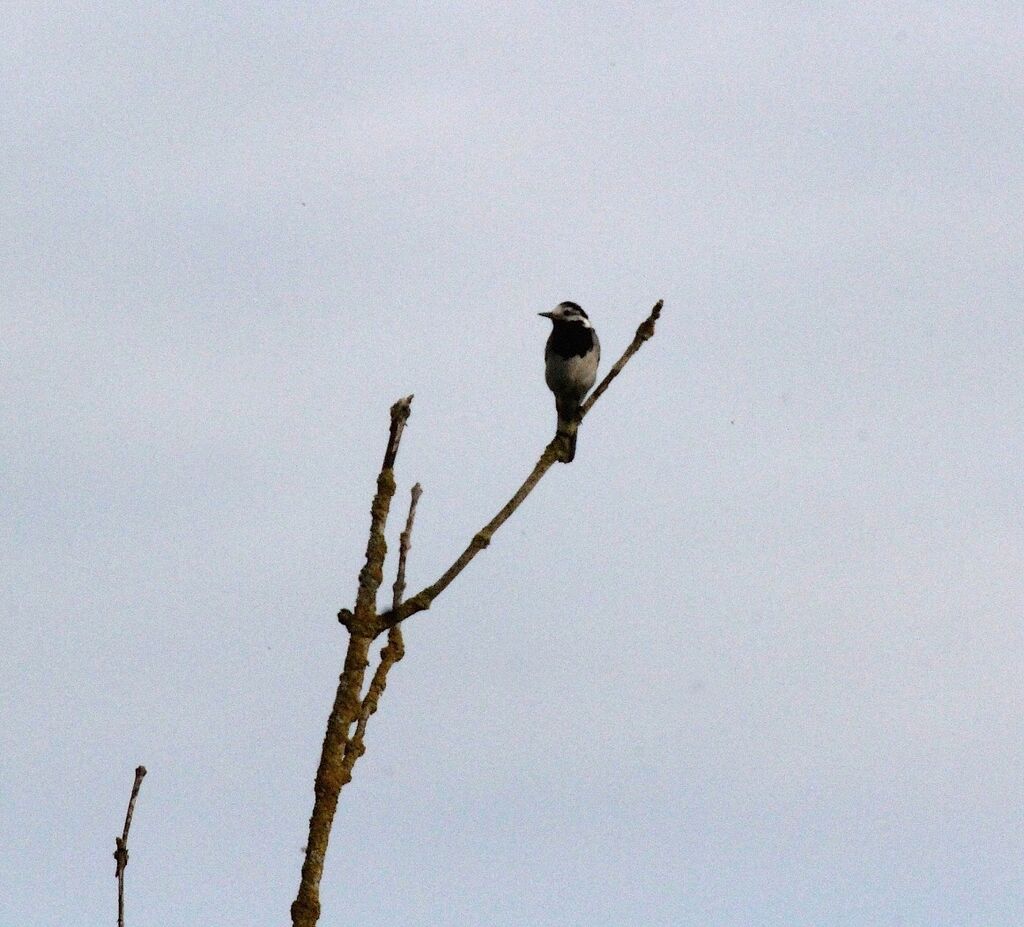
x,y
332,773
644,332
404,543
121,853
422,600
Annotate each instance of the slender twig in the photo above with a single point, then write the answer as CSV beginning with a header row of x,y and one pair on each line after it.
x,y
362,624
552,453
644,332
404,543
121,853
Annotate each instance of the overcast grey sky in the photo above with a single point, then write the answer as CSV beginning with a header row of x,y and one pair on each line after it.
x,y
755,658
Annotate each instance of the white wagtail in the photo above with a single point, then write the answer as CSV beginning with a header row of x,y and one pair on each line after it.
x,y
570,366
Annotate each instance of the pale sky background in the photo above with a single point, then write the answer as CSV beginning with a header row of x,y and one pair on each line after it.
x,y
755,658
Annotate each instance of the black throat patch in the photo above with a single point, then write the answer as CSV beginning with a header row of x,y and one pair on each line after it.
x,y
571,339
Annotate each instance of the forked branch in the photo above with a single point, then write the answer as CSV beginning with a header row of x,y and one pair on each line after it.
x,y
333,772
390,654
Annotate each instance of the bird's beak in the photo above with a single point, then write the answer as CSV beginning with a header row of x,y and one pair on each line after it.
x,y
547,315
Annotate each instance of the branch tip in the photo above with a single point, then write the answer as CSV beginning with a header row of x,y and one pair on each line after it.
x,y
402,406
121,853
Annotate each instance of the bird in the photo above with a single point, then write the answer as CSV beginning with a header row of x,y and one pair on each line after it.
x,y
571,357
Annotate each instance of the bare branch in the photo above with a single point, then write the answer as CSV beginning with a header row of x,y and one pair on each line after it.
x,y
332,773
423,600
121,853
340,751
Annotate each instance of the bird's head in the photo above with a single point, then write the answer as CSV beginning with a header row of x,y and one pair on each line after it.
x,y
567,313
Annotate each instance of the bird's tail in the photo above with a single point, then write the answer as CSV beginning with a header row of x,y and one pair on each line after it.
x,y
570,444
568,422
